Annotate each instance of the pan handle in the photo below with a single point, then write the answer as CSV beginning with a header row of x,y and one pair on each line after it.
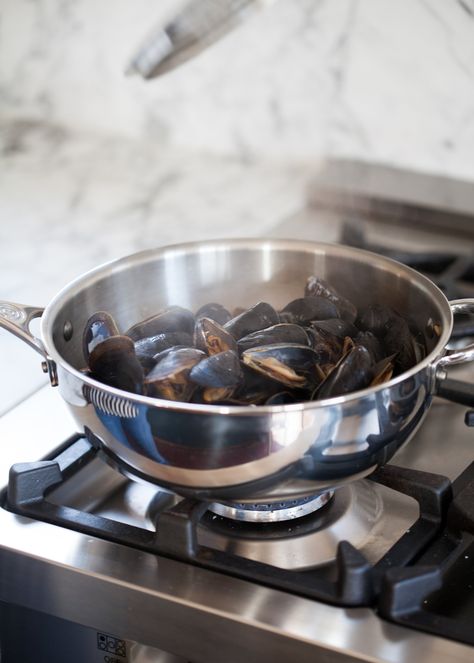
x,y
467,353
16,318
447,388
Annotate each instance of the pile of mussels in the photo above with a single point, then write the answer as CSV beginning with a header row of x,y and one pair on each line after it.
x,y
316,347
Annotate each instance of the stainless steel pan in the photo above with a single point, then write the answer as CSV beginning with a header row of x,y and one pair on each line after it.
x,y
249,454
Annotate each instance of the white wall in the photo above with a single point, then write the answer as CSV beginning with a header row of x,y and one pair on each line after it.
x,y
375,79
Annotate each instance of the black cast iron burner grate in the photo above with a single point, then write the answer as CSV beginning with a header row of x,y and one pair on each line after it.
x,y
399,585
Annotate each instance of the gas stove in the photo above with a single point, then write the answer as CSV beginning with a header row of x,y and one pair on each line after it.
x,y
97,567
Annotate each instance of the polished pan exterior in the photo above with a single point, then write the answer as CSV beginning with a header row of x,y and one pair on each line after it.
x,y
248,454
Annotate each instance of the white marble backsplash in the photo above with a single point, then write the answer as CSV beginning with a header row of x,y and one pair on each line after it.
x,y
375,79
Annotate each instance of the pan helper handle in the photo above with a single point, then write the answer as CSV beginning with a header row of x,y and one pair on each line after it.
x,y
453,357
16,318
448,388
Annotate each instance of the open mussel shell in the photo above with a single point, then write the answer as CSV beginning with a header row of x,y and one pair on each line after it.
x,y
289,364
146,349
113,362
257,317
215,312
281,333
317,287
219,374
212,338
353,372
100,326
303,310
382,371
219,370
172,319
169,378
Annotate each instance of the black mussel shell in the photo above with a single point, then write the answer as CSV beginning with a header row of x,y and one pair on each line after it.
x,y
281,333
328,348
100,326
317,287
172,319
353,372
335,327
114,362
305,309
146,349
212,338
255,388
382,371
257,317
372,344
218,371
290,364
282,398
169,378
376,319
399,341
164,353
215,312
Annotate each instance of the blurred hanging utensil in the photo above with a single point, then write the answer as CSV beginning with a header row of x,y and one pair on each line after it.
x,y
199,24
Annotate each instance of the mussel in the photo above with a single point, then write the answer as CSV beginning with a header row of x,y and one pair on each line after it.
x,y
353,372
335,327
100,326
318,287
257,317
281,398
254,389
305,309
328,348
172,319
113,362
212,338
215,312
372,344
281,333
290,364
219,374
382,371
169,379
399,340
147,348
376,319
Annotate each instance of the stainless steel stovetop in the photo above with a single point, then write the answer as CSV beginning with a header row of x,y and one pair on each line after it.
x,y
66,595
197,614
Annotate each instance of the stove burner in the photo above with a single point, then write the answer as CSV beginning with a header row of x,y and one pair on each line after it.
x,y
273,512
356,513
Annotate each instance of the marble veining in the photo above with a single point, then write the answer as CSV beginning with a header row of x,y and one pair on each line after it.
x,y
378,80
